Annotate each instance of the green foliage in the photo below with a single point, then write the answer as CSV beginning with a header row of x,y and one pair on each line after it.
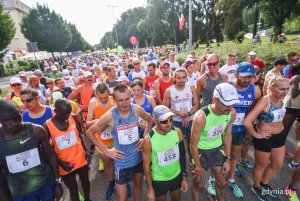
x,y
240,37
107,41
22,63
292,25
7,29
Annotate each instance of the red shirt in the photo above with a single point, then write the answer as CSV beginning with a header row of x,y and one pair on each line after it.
x,y
258,63
164,86
150,84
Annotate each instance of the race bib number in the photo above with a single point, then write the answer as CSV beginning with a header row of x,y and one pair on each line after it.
x,y
106,134
23,161
128,134
216,131
183,106
65,141
168,157
152,92
278,115
239,119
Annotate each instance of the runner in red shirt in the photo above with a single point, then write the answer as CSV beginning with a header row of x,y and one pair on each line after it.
x,y
150,78
256,62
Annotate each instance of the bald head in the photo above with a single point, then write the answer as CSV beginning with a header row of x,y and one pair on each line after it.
x,y
62,106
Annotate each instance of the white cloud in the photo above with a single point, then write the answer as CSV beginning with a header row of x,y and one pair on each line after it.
x,y
92,18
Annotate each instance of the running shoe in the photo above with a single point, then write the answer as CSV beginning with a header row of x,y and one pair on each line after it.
x,y
110,190
238,171
292,195
269,190
260,194
235,189
289,155
81,198
129,190
101,165
294,165
211,187
246,164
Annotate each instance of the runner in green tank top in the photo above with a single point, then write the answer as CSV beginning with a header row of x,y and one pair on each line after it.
x,y
164,158
211,130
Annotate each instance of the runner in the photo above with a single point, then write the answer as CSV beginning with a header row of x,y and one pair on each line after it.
x,y
29,176
16,86
290,190
123,121
163,83
247,94
51,88
111,81
69,147
181,97
268,140
60,83
150,79
192,77
97,108
211,129
164,158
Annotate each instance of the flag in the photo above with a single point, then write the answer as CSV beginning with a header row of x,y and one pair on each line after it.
x,y
181,22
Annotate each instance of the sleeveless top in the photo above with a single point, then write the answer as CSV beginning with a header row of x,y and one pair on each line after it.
x,y
211,136
192,80
246,98
126,136
86,96
274,114
165,163
67,145
208,91
104,136
149,85
181,101
24,164
39,121
163,86
290,102
148,108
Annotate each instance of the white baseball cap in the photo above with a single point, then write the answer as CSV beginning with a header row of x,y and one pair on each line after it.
x,y
226,93
53,68
162,112
252,53
15,80
87,73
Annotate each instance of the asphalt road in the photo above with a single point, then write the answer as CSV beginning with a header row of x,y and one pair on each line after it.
x,y
99,182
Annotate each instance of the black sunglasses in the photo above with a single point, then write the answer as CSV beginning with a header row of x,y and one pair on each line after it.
x,y
29,100
16,85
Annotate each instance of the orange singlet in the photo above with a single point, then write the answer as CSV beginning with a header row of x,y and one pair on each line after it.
x,y
105,137
67,145
86,96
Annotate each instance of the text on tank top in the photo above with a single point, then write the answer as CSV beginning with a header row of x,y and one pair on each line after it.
x,y
181,101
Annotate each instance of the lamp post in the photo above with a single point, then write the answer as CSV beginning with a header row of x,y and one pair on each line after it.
x,y
113,10
190,25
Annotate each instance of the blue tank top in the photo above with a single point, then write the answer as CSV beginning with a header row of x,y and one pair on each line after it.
x,y
39,121
126,136
246,98
148,108
274,114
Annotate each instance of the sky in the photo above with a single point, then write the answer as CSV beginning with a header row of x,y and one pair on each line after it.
x,y
93,18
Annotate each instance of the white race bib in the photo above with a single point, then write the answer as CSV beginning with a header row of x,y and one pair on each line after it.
x,y
23,161
278,115
152,92
183,106
216,131
169,156
106,134
65,141
239,119
128,134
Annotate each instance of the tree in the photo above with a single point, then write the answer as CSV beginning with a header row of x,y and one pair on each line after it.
x,y
77,42
107,41
7,29
46,28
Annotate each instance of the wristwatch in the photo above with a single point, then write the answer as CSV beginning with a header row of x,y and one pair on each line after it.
x,y
58,180
227,158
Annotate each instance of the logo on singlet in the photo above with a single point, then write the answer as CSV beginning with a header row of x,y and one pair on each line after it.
x,y
22,142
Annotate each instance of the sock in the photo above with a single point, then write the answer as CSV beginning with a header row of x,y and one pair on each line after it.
x,y
231,180
295,163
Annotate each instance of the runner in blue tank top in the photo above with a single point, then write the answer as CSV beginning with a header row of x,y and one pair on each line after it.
x,y
247,94
145,101
123,121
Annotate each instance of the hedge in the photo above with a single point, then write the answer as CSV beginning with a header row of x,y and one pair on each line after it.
x,y
14,67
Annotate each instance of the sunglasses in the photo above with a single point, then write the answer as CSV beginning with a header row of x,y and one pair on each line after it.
x,y
294,60
16,85
49,83
29,100
135,63
167,120
212,64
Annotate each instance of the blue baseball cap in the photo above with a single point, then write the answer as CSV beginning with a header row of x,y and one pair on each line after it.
x,y
245,69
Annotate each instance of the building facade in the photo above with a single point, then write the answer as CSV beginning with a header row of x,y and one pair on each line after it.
x,y
16,9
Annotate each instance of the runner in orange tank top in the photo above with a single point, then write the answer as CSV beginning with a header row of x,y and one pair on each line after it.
x,y
97,108
69,148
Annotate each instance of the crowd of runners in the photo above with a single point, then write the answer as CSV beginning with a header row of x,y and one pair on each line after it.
x,y
152,119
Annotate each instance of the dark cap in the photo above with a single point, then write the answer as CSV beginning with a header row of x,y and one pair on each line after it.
x,y
280,62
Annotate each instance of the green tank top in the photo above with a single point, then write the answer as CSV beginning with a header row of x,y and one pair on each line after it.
x,y
23,162
165,155
211,136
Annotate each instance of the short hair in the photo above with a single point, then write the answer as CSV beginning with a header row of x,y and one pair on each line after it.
x,y
152,64
295,70
137,82
31,91
231,55
137,78
180,70
8,107
102,88
292,54
56,80
121,88
62,103
110,68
